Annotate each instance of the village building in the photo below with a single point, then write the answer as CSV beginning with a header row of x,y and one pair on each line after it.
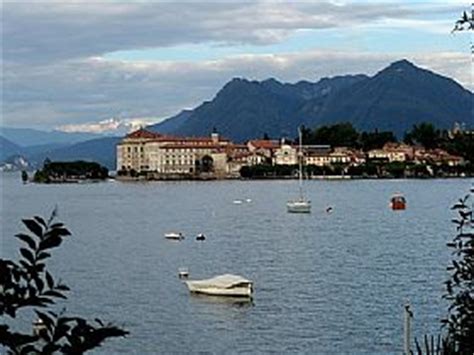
x,y
264,147
286,154
145,151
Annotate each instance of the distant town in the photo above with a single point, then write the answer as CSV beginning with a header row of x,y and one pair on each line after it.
x,y
426,152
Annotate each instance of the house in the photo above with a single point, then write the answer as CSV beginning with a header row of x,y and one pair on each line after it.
x,y
286,154
263,147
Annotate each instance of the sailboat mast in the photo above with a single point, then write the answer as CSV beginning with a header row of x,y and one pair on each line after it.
x,y
300,161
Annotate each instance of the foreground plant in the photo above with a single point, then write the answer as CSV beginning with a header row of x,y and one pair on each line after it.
x,y
459,322
28,284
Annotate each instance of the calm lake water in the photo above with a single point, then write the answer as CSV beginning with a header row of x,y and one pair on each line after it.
x,y
324,283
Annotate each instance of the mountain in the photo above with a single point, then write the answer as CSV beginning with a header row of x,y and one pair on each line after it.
x,y
8,148
100,150
172,124
29,137
395,99
245,109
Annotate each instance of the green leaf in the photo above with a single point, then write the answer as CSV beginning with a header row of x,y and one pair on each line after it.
x,y
33,226
27,239
61,232
52,293
49,280
40,220
39,284
28,255
51,242
43,255
62,287
26,265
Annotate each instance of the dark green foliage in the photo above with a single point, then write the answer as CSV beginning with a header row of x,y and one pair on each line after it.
x,y
344,134
28,284
62,171
338,135
424,134
459,322
461,144
460,286
375,140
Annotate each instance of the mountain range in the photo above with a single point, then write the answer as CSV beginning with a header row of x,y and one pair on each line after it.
x,y
394,99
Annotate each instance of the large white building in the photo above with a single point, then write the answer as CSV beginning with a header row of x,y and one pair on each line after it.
x,y
145,151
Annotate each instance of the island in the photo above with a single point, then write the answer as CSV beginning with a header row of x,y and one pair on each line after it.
x,y
70,172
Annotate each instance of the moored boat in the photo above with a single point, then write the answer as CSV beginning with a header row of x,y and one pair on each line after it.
x,y
174,235
222,285
301,204
398,202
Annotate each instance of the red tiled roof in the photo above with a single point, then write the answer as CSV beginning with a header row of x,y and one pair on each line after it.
x,y
265,144
143,133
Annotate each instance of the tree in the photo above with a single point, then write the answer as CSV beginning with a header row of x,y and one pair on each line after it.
x,y
341,134
28,284
375,140
425,134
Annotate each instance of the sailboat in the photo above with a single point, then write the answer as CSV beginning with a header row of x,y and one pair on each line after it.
x,y
301,204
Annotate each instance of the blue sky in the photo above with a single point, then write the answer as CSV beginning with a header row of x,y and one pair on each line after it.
x,y
93,66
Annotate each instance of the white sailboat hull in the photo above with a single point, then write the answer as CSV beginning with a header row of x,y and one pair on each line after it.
x,y
299,206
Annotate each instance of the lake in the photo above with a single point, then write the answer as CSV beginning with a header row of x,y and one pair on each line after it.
x,y
324,283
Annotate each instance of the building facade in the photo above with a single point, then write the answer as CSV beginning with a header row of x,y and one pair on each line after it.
x,y
144,151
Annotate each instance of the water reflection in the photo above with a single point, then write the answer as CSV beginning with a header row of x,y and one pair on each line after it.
x,y
227,300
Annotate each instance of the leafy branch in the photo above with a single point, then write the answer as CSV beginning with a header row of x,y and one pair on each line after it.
x,y
27,283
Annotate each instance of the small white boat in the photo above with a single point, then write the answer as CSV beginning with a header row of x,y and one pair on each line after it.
x,y
237,202
300,205
174,236
248,200
222,285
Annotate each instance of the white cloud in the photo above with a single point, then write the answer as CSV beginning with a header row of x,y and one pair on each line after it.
x,y
55,74
79,92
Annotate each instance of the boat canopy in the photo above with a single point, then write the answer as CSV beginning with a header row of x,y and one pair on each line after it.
x,y
398,198
222,281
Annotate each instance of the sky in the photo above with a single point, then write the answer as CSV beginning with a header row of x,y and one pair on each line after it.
x,y
105,66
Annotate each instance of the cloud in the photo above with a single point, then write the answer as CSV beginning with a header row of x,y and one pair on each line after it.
x,y
41,32
56,71
95,89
